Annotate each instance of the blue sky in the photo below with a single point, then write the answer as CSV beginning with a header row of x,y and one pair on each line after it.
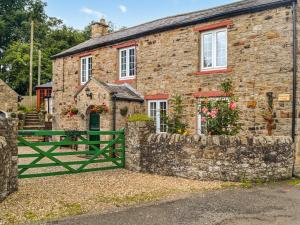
x,y
78,13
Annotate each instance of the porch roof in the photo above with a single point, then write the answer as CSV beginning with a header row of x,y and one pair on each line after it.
x,y
120,91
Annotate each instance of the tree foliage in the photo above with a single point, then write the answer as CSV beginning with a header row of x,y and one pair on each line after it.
x,y
51,36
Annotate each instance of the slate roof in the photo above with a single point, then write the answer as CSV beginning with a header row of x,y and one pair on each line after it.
x,y
121,91
124,92
46,85
172,22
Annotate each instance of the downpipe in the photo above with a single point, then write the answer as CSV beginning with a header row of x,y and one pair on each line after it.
x,y
295,69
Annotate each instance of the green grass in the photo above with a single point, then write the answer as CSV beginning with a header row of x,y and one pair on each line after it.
x,y
294,182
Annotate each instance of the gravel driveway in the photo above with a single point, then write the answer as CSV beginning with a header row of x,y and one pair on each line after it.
x,y
55,197
276,204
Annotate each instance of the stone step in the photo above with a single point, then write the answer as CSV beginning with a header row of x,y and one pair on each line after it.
x,y
31,117
32,121
33,127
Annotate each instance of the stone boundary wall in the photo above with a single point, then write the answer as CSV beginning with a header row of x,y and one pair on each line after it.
x,y
8,158
226,158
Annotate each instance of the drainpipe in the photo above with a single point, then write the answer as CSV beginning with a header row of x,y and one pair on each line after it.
x,y
294,112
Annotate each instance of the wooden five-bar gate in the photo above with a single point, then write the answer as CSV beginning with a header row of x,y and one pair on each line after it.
x,y
69,152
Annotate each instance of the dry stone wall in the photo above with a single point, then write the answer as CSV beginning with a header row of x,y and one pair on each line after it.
x,y
226,158
8,158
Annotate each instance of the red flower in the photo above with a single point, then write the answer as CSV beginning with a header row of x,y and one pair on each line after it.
x,y
232,105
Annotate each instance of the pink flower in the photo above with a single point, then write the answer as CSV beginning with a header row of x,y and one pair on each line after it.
x,y
214,111
232,105
203,119
213,115
205,110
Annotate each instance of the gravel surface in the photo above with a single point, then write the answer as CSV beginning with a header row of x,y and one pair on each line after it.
x,y
56,197
268,204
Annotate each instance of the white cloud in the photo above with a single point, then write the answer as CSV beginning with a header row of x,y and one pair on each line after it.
x,y
92,12
123,8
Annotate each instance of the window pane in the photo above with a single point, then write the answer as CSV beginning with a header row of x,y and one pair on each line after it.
x,y
83,70
221,48
207,50
152,110
123,63
131,62
90,68
163,114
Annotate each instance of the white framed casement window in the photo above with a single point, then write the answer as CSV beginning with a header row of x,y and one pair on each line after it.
x,y
201,126
157,110
214,49
85,69
127,62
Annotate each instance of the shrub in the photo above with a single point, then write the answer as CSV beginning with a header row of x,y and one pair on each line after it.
x,y
174,119
139,117
221,116
22,108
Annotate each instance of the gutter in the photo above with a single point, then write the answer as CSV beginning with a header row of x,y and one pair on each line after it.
x,y
182,24
295,69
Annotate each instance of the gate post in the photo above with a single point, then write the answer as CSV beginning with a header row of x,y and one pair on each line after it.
x,y
8,158
136,135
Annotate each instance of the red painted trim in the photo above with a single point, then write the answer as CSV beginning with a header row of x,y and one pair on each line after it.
x,y
126,44
156,97
224,23
209,94
228,70
85,54
129,81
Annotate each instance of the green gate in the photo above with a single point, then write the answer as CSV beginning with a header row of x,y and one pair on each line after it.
x,y
47,155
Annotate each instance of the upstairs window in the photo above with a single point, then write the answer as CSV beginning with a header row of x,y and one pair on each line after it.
x,y
127,63
85,69
214,49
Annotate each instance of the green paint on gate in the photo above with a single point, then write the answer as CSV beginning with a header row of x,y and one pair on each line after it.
x,y
99,152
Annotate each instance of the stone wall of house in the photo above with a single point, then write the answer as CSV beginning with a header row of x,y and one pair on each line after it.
x,y
8,98
8,158
259,61
226,158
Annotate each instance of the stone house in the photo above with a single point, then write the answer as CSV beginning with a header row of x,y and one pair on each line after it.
x,y
8,100
250,42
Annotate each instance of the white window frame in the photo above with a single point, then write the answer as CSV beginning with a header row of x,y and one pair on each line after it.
x,y
127,76
157,122
199,116
88,76
214,50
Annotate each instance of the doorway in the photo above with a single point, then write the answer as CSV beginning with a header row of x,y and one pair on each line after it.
x,y
94,125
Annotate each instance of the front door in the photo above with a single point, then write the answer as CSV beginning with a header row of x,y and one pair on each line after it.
x,y
94,125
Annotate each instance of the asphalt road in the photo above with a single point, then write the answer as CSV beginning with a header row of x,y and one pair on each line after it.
x,y
264,205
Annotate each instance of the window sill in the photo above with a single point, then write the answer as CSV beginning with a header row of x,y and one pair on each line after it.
x,y
129,81
217,71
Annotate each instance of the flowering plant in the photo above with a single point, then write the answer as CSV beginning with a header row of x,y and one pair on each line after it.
x,y
70,111
100,108
220,116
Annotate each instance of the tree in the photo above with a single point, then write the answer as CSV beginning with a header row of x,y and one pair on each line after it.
x,y
51,36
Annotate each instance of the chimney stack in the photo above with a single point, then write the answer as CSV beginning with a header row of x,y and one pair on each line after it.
x,y
99,29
